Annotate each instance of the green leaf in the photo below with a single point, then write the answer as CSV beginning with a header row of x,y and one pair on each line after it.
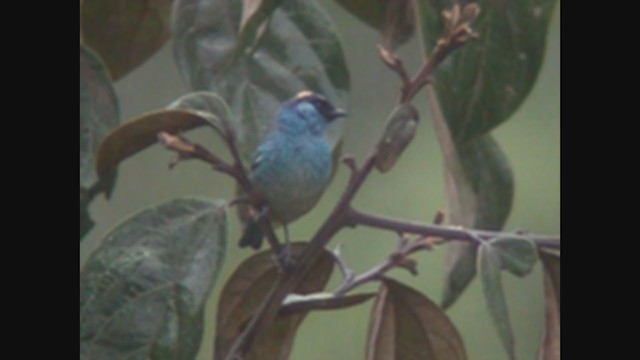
x,y
209,106
245,291
99,113
143,290
126,33
401,129
518,255
321,301
550,344
467,89
394,19
480,194
483,83
86,223
253,24
490,265
299,50
142,132
407,325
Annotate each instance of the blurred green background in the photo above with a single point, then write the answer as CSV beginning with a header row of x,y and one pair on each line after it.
x,y
413,190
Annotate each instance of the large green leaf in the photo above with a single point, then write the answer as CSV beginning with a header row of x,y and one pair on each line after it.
x,y
394,19
483,83
99,112
405,324
298,50
143,290
247,288
490,266
125,32
477,88
480,194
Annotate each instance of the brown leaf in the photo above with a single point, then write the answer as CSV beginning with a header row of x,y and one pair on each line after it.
x,y
140,133
551,263
550,345
124,32
245,291
405,324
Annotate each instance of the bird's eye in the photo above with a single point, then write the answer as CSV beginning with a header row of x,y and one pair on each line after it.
x,y
322,106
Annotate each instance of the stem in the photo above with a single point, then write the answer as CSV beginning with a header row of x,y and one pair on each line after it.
x,y
356,217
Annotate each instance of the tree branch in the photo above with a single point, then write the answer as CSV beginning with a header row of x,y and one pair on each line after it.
x,y
356,217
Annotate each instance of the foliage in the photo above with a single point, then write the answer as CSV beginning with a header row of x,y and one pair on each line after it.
x,y
143,291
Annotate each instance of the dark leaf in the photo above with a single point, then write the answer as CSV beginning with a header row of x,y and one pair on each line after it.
x,y
245,291
482,84
401,128
321,301
99,113
394,19
490,265
299,50
124,32
480,194
407,325
143,290
550,346
142,132
253,24
517,254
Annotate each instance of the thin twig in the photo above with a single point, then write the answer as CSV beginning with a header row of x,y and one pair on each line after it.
x,y
376,273
187,150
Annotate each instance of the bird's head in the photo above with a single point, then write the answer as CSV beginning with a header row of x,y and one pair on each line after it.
x,y
308,113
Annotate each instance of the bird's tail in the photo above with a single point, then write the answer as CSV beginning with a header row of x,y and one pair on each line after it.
x,y
252,235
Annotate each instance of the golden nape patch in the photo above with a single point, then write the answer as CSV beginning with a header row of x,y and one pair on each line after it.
x,y
303,94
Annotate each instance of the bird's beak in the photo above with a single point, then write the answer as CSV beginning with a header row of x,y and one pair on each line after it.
x,y
337,113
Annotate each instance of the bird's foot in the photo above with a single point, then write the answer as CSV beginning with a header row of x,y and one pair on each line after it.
x,y
285,258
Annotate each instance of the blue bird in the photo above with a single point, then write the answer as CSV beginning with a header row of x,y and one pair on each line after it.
x,y
292,166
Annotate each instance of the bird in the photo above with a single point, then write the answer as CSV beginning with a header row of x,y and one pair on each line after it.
x,y
292,165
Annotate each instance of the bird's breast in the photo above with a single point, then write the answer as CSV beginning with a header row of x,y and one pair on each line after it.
x,y
293,177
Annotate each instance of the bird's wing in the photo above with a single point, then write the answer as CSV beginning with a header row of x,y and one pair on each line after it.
x,y
265,151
